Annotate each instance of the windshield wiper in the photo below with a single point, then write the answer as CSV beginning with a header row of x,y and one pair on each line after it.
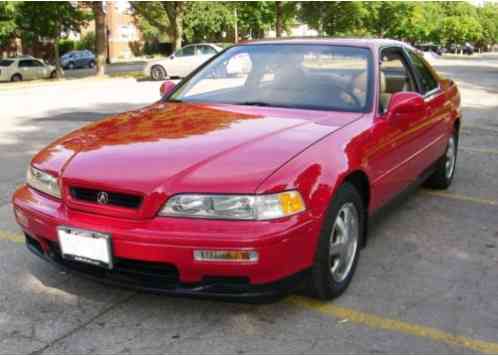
x,y
253,103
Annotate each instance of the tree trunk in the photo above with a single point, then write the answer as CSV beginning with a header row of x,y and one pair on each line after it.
x,y
279,18
175,11
178,24
58,68
100,37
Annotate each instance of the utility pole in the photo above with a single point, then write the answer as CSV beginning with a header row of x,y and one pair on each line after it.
x,y
236,25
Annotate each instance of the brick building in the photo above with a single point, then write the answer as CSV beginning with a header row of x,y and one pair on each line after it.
x,y
124,39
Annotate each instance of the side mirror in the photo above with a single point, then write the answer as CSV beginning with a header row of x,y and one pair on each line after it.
x,y
167,88
403,103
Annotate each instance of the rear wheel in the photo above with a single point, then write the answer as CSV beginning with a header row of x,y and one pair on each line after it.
x,y
157,72
16,78
91,64
53,75
445,167
71,65
339,245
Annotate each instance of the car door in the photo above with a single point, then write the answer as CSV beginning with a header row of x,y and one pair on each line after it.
x,y
204,52
39,69
26,69
398,143
433,134
183,62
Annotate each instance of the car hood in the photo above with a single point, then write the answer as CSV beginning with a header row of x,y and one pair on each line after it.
x,y
180,147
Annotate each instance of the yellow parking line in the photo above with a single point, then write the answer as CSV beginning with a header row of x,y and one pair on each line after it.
x,y
479,150
378,322
9,236
461,197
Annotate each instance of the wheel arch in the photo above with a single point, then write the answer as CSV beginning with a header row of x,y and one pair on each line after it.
x,y
359,179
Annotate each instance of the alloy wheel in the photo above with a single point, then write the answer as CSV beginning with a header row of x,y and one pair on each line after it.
x,y
344,242
450,158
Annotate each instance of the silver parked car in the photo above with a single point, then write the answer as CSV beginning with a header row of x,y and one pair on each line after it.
x,y
182,62
25,68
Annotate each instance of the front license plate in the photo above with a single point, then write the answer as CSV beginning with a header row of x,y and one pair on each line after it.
x,y
86,246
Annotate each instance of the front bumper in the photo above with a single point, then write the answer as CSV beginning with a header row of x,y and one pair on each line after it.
x,y
157,254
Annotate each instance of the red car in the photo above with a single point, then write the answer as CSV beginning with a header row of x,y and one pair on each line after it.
x,y
253,175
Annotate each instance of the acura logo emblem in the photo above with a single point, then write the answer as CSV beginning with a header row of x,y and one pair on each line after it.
x,y
102,198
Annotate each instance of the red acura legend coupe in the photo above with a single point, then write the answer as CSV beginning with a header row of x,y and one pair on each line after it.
x,y
256,173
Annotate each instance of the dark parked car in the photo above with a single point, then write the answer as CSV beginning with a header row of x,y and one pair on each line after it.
x,y
78,59
431,47
468,49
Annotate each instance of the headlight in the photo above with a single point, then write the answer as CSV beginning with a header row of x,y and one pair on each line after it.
x,y
43,182
234,207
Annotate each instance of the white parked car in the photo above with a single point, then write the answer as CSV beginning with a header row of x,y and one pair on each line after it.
x,y
25,68
182,62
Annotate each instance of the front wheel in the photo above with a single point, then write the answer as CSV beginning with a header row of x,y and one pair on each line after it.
x,y
91,64
445,167
338,249
53,74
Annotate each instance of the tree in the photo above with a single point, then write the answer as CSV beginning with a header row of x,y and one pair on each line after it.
x,y
7,22
488,15
208,21
386,18
255,18
460,29
333,18
166,16
279,18
51,21
100,36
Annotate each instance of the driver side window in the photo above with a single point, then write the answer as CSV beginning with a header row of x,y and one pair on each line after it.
x,y
395,76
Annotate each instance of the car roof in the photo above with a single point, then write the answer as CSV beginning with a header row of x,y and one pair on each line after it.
x,y
349,41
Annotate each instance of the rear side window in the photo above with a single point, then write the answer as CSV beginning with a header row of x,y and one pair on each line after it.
x,y
185,51
5,63
427,80
26,63
206,50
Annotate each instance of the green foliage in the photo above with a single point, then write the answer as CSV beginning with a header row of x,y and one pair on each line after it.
x,y
8,25
86,42
334,18
49,19
66,45
443,22
206,20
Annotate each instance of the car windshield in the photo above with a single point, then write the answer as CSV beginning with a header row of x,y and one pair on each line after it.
x,y
5,62
319,77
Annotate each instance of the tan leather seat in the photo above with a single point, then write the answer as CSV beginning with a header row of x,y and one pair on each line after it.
x,y
360,87
384,96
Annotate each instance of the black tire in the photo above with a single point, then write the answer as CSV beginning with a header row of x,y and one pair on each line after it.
x,y
53,75
324,285
91,64
71,66
445,170
157,72
16,78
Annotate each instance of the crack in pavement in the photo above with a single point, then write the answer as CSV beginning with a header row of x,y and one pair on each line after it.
x,y
86,323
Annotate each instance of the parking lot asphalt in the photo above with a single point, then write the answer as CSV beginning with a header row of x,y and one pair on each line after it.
x,y
426,283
